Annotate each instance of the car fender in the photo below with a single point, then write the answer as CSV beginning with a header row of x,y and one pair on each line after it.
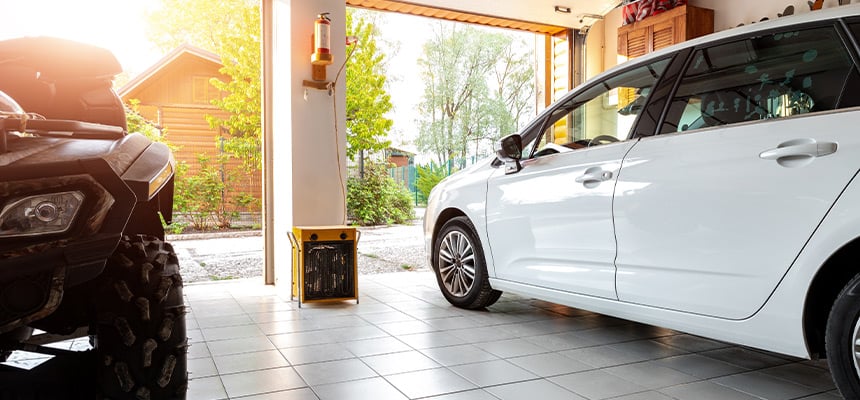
x,y
463,193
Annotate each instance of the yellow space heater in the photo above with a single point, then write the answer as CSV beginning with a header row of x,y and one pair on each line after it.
x,y
324,263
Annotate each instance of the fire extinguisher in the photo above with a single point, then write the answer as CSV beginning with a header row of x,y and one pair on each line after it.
x,y
322,40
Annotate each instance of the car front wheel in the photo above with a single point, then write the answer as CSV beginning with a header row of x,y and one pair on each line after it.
x,y
842,340
460,266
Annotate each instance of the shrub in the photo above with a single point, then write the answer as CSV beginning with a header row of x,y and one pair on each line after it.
x,y
377,199
202,197
198,196
429,177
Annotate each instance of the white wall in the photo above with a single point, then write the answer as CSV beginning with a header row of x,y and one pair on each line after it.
x,y
307,160
727,14
609,58
730,13
612,21
602,44
595,48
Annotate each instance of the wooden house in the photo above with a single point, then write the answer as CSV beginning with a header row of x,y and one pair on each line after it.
x,y
176,94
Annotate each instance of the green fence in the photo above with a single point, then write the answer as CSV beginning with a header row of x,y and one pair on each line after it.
x,y
408,175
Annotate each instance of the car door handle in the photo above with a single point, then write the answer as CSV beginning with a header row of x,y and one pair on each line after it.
x,y
594,176
801,148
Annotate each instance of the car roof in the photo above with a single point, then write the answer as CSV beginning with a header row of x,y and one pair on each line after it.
x,y
742,31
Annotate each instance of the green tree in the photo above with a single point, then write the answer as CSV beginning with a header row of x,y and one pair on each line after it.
x,y
231,29
367,100
198,22
478,86
515,88
240,55
135,122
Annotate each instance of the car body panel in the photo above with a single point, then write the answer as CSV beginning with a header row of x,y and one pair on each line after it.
x,y
777,326
549,230
465,192
706,226
687,209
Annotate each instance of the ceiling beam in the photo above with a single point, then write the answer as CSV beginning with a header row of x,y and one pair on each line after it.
x,y
404,7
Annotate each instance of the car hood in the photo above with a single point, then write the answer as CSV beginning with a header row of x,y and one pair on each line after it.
x,y
479,171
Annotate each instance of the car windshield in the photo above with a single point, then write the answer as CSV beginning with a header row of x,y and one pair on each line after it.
x,y
602,113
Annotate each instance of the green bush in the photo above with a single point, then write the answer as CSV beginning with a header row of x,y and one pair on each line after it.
x,y
198,196
377,199
429,177
202,197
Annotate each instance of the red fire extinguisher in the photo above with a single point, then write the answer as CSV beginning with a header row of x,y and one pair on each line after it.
x,y
322,41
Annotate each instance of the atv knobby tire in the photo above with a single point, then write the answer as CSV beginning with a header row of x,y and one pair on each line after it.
x,y
139,336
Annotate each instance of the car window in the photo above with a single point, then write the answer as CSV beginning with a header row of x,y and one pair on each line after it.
x,y
765,77
603,114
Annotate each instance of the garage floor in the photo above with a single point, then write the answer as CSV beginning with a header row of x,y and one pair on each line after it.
x,y
403,341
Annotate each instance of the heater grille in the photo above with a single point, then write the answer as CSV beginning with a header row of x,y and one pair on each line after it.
x,y
328,270
324,263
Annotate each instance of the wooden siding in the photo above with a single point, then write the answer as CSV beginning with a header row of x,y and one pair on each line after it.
x,y
177,98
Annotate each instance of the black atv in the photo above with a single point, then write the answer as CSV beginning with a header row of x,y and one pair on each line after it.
x,y
82,248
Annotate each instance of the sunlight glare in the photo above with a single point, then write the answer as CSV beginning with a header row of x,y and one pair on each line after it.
x,y
119,26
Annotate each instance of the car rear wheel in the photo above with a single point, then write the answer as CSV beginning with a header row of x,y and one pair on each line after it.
x,y
140,338
460,266
842,341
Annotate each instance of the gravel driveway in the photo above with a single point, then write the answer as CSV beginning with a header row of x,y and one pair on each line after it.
x,y
391,249
208,257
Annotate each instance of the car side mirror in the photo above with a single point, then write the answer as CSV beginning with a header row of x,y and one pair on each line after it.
x,y
511,151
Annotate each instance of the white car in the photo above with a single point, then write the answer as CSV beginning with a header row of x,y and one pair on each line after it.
x,y
709,188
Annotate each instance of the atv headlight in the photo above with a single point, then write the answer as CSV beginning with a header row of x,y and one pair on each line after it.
x,y
40,214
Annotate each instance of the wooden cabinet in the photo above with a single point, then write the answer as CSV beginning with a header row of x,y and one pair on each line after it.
x,y
663,30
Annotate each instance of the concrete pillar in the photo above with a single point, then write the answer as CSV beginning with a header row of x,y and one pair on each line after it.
x,y
304,129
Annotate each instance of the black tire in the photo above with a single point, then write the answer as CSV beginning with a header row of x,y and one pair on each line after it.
x,y
461,269
843,331
140,340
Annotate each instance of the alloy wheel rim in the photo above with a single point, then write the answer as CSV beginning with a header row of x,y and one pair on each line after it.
x,y
457,263
855,347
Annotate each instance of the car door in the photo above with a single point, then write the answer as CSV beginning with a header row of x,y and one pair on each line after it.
x,y
550,223
758,143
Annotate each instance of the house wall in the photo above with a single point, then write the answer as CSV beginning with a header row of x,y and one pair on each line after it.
x,y
178,99
176,83
399,161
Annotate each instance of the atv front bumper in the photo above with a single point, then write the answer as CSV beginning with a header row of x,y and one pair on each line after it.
x,y
35,269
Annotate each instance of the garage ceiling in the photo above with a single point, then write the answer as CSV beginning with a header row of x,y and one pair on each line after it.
x,y
533,15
